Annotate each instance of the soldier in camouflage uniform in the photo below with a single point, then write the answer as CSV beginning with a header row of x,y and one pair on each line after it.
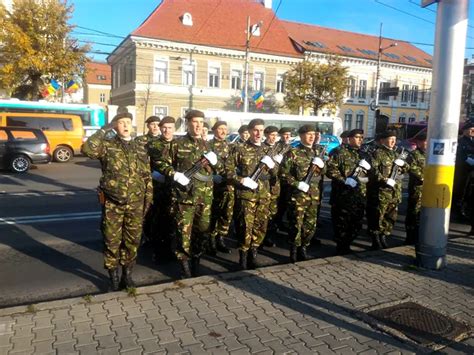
x,y
348,168
162,233
387,192
416,160
243,134
193,198
252,196
223,196
302,169
126,192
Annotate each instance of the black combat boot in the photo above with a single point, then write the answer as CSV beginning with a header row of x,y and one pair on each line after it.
x,y
375,242
252,261
410,237
185,270
383,241
268,241
195,261
212,247
114,280
242,259
127,279
293,254
302,256
220,245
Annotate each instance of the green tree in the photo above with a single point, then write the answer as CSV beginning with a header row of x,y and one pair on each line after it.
x,y
315,85
36,46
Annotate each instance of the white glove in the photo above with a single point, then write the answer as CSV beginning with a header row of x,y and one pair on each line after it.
x,y
180,178
278,158
470,161
391,182
302,186
217,179
248,182
268,161
364,164
399,162
211,157
318,162
351,182
157,176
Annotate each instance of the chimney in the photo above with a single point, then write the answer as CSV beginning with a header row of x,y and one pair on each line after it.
x,y
267,3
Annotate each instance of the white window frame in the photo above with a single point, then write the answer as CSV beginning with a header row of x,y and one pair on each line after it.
x,y
280,77
102,97
405,96
414,94
359,91
185,65
344,122
241,77
351,88
214,65
161,115
167,73
254,82
358,115
412,118
402,118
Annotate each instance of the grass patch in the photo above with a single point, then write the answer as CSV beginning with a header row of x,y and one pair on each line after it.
x,y
31,308
132,291
87,298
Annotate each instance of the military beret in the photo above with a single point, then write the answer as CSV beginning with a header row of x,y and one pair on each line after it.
x,y
285,130
387,134
122,114
270,129
421,136
193,113
167,119
256,122
468,125
353,132
152,119
344,134
307,128
219,123
243,128
205,125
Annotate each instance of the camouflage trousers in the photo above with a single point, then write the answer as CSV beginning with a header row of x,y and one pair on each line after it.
x,y
346,217
252,221
282,205
192,230
121,230
302,217
222,210
382,216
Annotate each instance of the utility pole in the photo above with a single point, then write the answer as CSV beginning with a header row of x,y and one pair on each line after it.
x,y
247,53
450,41
191,84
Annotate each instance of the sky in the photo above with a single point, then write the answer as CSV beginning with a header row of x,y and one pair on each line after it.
x,y
402,19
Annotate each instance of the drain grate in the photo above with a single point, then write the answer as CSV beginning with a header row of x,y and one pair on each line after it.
x,y
420,324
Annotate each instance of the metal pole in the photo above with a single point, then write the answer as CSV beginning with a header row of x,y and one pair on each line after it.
x,y
247,52
191,85
450,40
373,128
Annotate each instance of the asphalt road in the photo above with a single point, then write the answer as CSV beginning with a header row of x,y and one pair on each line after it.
x,y
50,242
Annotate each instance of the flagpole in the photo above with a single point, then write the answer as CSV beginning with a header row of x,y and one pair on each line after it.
x,y
247,52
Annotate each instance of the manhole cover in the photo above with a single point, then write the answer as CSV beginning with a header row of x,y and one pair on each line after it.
x,y
419,323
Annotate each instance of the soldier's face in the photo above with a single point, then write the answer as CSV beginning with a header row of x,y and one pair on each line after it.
x,y
271,137
345,140
154,128
317,137
285,137
167,131
220,132
389,142
123,127
204,133
469,132
308,138
422,144
256,133
244,135
195,126
356,141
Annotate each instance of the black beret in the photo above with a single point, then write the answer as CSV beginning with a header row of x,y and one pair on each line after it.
x,y
344,134
219,123
468,125
205,125
387,134
193,113
285,130
270,129
152,119
243,128
121,115
307,128
167,119
354,132
256,122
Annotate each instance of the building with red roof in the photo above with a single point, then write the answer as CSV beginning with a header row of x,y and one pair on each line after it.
x,y
97,83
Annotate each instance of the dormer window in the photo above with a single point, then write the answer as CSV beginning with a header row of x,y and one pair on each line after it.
x,y
187,19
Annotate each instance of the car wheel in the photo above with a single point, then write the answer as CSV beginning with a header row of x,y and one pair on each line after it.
x,y
20,164
62,154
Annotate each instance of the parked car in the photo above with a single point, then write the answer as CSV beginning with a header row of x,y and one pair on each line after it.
x,y
21,147
326,140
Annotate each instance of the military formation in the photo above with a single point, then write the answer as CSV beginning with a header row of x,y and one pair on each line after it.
x,y
185,195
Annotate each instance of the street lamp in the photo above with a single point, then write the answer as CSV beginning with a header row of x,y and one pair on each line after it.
x,y
251,30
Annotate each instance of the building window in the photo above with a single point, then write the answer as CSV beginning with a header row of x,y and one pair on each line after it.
x,y
101,77
402,119
362,89
347,121
160,111
189,72
280,86
405,91
351,88
422,96
161,71
414,94
102,97
258,80
412,118
214,75
236,79
384,90
359,121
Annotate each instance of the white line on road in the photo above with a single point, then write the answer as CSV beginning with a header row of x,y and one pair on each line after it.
x,y
49,218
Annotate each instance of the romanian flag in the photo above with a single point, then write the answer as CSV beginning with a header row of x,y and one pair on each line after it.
x,y
53,86
240,100
45,91
258,99
71,86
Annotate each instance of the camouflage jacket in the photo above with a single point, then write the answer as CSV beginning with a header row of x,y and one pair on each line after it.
x,y
222,150
417,160
295,168
125,168
243,162
277,148
183,153
147,139
342,164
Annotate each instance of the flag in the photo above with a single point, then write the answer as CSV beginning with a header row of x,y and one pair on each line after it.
x,y
240,99
71,86
53,86
44,91
258,99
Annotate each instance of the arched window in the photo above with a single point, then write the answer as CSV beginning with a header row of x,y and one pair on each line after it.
x,y
348,120
412,118
402,118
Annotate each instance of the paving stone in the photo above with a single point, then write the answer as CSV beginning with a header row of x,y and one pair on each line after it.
x,y
255,345
106,341
66,347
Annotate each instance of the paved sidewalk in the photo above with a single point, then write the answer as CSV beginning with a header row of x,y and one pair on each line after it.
x,y
315,306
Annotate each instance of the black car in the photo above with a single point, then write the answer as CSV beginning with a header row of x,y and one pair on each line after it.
x,y
20,147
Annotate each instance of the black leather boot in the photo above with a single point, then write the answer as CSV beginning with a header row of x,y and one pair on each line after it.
x,y
293,254
212,247
114,280
220,245
185,270
302,256
243,260
375,242
383,241
127,276
195,261
252,261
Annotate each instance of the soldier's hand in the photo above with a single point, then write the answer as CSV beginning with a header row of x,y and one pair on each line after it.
x,y
351,182
249,183
181,179
318,162
364,164
302,186
399,162
211,158
268,161
391,182
278,158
